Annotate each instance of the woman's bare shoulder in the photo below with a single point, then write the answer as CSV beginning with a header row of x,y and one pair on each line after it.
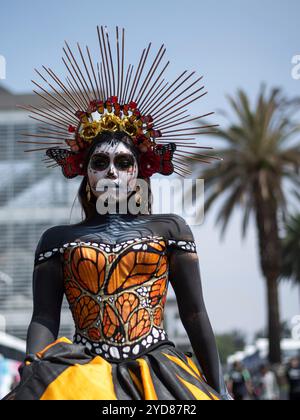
x,y
176,226
53,237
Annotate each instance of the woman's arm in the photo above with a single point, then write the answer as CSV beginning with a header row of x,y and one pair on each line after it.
x,y
184,276
47,300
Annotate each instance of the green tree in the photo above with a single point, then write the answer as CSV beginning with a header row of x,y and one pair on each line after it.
x,y
229,343
291,250
285,331
259,154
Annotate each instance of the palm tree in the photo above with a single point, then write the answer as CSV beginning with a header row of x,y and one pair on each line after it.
x,y
258,156
291,250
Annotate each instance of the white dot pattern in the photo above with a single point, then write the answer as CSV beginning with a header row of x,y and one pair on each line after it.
x,y
116,352
138,243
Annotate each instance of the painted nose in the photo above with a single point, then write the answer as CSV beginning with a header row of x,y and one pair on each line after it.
x,y
111,173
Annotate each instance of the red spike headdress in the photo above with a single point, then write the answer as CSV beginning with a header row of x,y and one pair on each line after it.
x,y
103,96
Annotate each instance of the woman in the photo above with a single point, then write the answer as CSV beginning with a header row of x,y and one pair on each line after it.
x,y
115,266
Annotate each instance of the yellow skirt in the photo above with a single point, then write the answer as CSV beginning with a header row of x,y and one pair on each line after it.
x,y
67,371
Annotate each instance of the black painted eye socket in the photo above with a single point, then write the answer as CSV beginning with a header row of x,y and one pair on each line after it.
x,y
124,162
100,162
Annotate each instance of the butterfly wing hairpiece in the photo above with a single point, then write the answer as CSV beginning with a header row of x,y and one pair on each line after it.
x,y
70,162
166,153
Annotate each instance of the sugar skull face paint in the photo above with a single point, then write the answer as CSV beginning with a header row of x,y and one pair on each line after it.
x,y
112,171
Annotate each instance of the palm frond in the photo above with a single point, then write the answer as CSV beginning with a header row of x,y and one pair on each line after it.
x,y
257,146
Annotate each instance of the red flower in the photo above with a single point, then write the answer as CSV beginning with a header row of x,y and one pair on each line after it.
x,y
132,105
113,99
92,107
73,164
82,116
136,112
147,119
149,164
71,129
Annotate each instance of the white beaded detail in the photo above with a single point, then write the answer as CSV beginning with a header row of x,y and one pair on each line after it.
x,y
183,245
139,243
121,352
109,248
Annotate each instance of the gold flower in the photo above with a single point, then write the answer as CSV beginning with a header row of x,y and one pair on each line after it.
x,y
110,122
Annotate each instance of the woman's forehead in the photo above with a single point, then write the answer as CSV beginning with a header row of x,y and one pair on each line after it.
x,y
111,149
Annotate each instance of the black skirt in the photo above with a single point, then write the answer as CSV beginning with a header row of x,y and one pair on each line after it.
x,y
67,371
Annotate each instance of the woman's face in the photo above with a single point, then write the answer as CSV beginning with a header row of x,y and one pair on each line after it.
x,y
112,171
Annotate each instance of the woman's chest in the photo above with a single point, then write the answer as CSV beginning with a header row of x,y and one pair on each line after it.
x,y
116,292
105,269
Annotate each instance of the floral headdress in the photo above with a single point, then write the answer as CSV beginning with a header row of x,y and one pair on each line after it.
x,y
102,96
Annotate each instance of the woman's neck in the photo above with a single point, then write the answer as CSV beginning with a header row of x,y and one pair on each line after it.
x,y
111,217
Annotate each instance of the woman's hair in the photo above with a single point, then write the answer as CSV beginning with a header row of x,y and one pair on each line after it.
x,y
89,206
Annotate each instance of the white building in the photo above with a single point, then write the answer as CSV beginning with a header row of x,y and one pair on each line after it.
x,y
32,199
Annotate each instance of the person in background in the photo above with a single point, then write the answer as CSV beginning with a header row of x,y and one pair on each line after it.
x,y
240,383
293,377
5,376
269,385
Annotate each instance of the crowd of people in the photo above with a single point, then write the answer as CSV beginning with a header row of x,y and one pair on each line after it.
x,y
266,383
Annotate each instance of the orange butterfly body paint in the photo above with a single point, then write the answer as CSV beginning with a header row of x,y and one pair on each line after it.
x,y
117,293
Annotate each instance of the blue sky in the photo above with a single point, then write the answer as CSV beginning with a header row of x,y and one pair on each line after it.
x,y
233,43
